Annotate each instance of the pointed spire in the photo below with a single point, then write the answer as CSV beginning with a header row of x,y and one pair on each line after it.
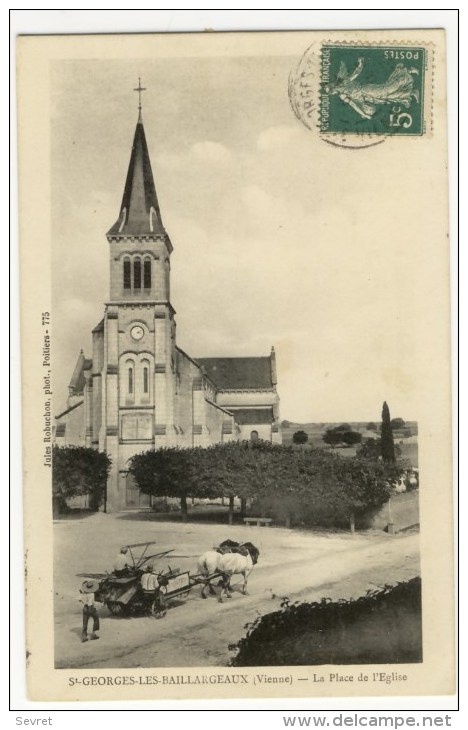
x,y
139,211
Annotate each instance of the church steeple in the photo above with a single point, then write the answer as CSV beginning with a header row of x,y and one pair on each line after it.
x,y
139,210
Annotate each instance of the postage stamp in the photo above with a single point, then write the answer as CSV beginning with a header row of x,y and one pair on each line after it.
x,y
373,90
357,95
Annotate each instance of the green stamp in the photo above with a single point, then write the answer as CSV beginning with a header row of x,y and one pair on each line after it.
x,y
376,90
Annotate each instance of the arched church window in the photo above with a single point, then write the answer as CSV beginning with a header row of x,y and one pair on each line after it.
x,y
167,270
137,274
127,274
130,379
147,274
145,377
254,435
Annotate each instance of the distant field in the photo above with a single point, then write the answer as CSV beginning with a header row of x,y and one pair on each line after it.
x,y
315,431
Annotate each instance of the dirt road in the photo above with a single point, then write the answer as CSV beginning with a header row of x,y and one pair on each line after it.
x,y
298,564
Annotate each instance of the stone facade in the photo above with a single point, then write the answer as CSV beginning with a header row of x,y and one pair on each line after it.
x,y
139,390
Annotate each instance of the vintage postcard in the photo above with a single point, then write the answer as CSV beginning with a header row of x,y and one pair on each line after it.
x,y
236,365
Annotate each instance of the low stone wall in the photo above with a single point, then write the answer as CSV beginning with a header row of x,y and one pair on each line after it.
x,y
401,511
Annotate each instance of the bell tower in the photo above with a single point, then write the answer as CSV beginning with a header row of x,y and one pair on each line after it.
x,y
139,245
134,359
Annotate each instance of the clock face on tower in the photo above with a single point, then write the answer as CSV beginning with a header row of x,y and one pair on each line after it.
x,y
137,332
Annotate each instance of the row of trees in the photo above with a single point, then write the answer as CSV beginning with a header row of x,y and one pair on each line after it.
x,y
333,436
285,481
343,435
280,478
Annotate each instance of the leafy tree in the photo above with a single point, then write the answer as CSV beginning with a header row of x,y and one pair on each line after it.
x,y
285,424
277,482
229,471
168,472
336,435
372,449
332,437
320,486
354,485
300,437
78,470
351,438
364,484
371,426
397,423
388,448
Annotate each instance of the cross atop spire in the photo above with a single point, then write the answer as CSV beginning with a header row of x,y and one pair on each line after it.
x,y
139,88
139,210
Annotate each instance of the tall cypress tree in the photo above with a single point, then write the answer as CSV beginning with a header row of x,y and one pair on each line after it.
x,y
388,448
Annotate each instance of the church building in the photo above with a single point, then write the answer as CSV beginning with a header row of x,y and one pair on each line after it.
x,y
140,390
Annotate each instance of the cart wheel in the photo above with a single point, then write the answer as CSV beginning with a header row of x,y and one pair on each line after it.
x,y
116,608
159,607
183,596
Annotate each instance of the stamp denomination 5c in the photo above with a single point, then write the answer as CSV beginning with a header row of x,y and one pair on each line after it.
x,y
373,90
357,95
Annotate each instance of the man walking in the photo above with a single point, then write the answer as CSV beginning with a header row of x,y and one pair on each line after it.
x,y
87,592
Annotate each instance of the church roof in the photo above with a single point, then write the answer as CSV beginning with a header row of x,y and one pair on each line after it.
x,y
252,416
220,408
99,327
71,408
139,211
238,373
77,381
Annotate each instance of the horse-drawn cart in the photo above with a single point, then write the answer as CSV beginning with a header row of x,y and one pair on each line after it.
x,y
128,592
124,595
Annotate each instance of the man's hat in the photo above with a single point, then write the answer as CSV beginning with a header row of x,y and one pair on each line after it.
x,y
89,586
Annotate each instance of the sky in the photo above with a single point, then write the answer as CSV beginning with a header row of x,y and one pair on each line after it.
x,y
279,238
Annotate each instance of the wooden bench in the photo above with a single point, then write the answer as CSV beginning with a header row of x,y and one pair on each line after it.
x,y
259,521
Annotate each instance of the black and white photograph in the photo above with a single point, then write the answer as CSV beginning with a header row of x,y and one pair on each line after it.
x,y
239,427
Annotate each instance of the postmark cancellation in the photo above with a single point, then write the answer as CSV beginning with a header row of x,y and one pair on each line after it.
x,y
352,93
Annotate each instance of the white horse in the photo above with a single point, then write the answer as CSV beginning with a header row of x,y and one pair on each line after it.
x,y
239,560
